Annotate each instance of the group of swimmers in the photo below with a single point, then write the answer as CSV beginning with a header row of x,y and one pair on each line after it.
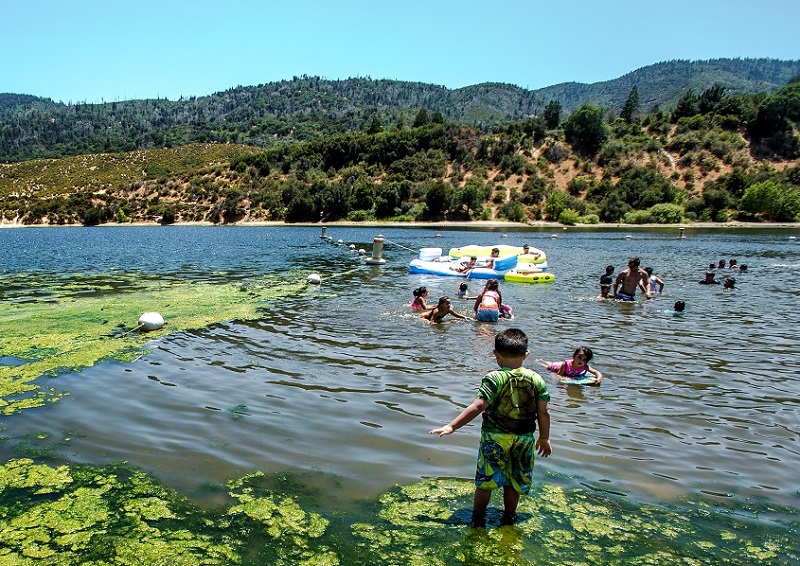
x,y
488,306
729,282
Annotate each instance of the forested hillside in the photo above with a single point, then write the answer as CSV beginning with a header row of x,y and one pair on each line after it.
x,y
311,108
714,157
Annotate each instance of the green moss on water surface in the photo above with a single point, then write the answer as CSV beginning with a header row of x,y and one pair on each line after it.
x,y
71,332
118,515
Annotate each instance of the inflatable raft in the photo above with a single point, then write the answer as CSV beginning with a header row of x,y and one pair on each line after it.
x,y
534,255
431,261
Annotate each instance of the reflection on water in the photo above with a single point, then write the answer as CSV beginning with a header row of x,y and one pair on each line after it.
x,y
343,381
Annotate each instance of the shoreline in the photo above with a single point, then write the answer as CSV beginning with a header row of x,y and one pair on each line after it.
x,y
479,224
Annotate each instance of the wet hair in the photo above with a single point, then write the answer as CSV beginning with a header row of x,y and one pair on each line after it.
x,y
473,257
679,306
511,342
634,261
492,285
648,270
495,250
743,267
463,287
419,291
525,246
721,263
609,269
443,300
712,265
729,283
587,353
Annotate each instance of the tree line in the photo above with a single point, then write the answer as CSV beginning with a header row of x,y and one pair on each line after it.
x,y
709,158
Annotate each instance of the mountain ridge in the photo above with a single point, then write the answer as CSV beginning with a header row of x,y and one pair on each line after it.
x,y
306,108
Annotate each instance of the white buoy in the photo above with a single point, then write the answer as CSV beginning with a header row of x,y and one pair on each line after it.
x,y
339,242
361,251
377,252
314,278
792,237
352,246
151,321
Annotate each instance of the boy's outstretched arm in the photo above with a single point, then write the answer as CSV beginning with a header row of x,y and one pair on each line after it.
x,y
543,447
476,408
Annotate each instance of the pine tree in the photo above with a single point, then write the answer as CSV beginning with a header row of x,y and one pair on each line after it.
x,y
630,112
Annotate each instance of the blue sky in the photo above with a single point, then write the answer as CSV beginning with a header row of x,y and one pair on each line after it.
x,y
97,51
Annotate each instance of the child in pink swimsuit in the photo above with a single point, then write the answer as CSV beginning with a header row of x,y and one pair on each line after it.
x,y
419,299
578,366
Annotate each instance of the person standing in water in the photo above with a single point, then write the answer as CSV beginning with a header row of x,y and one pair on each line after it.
x,y
513,400
629,279
488,302
606,280
654,282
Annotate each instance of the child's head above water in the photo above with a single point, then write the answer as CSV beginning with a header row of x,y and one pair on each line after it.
x,y
420,291
585,352
679,306
463,287
511,343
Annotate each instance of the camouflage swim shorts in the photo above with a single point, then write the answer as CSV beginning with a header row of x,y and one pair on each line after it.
x,y
505,459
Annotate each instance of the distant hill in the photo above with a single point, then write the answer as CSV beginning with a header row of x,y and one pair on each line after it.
x,y
308,108
662,84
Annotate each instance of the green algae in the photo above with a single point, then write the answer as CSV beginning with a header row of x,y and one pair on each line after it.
x,y
70,331
118,515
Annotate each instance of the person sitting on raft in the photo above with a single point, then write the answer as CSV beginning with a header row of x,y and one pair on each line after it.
x,y
487,303
467,266
526,250
441,310
489,264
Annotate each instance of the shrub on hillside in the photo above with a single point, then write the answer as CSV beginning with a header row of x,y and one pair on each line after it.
x,y
514,212
771,201
568,217
638,217
666,213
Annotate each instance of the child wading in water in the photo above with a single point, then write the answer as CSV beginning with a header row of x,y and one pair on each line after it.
x,y
441,310
419,299
606,280
576,367
513,400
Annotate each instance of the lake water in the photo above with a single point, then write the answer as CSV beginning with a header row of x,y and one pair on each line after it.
x,y
341,382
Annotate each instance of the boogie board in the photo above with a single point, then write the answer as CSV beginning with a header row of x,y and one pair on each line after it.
x,y
585,379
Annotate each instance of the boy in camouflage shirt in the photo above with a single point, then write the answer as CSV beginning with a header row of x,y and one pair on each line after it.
x,y
512,400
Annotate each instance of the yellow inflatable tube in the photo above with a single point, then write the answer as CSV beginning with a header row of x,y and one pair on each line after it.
x,y
529,277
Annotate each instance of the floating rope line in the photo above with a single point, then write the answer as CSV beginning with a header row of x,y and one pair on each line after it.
x,y
400,246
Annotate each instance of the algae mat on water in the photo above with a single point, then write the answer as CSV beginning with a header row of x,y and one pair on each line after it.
x,y
68,331
117,515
